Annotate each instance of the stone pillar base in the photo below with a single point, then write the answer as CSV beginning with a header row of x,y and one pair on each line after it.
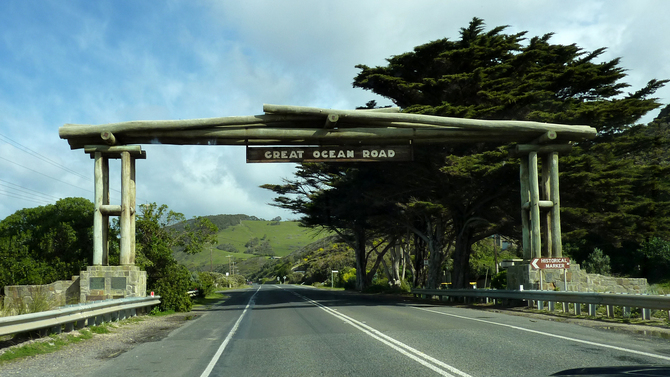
x,y
110,282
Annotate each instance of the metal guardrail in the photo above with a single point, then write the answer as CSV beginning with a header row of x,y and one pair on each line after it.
x,y
76,316
627,301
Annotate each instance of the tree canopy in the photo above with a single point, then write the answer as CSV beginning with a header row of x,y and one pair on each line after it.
x,y
451,196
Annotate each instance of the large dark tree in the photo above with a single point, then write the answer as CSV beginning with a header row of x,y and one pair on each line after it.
x,y
494,75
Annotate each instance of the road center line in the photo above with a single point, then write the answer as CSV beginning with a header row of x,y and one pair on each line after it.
x,y
414,354
223,345
642,353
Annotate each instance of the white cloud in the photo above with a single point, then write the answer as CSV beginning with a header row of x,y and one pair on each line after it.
x,y
103,62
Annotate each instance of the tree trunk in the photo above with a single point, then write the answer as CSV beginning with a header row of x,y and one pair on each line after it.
x,y
396,255
361,260
435,264
462,250
419,254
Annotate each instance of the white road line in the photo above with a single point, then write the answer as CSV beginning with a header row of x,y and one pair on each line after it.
x,y
414,354
642,353
223,345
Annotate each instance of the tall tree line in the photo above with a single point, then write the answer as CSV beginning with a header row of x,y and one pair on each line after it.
x,y
614,188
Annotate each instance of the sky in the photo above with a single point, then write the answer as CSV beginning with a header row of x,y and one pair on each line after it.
x,y
98,62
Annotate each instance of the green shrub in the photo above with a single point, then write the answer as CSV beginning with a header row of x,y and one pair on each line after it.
x,y
347,278
598,263
499,280
173,288
204,283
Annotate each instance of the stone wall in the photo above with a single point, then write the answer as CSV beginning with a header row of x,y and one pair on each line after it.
x,y
56,294
577,281
110,282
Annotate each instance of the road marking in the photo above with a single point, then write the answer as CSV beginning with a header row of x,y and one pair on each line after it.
x,y
414,354
642,353
223,345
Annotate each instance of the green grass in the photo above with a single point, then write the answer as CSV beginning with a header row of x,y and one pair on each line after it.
x,y
284,239
102,329
53,343
210,300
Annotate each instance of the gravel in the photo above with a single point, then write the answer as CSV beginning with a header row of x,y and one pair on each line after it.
x,y
85,357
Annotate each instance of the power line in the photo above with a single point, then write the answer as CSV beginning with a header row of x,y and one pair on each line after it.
x,y
50,177
14,186
31,152
30,199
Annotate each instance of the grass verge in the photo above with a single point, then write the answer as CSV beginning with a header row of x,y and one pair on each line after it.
x,y
49,344
55,342
209,300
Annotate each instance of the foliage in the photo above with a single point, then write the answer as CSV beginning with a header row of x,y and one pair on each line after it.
x,y
494,75
155,240
204,282
259,247
48,243
656,259
347,278
598,263
618,194
499,280
229,247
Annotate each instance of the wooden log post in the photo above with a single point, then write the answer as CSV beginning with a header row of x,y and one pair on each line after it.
x,y
133,203
97,215
555,213
126,231
105,219
535,240
525,200
545,194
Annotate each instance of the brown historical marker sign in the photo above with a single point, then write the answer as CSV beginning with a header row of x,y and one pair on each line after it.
x,y
330,154
550,263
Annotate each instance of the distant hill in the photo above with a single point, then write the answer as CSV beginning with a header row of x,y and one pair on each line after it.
x,y
236,231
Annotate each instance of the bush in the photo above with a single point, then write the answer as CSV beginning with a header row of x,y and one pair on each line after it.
x,y
347,278
204,283
173,288
598,263
656,262
499,280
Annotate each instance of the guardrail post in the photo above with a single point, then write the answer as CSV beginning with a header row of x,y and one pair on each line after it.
x,y
592,310
552,306
80,324
610,311
69,326
626,311
578,308
566,307
540,305
646,314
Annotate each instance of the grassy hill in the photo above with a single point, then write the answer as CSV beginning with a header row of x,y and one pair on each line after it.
x,y
284,237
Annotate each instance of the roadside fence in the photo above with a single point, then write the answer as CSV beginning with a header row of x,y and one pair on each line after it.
x,y
571,301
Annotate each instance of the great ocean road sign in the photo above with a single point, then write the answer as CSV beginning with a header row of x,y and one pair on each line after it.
x,y
330,154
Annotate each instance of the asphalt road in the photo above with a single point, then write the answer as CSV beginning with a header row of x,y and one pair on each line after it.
x,y
295,331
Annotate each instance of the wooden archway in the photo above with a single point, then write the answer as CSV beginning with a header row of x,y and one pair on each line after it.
x,y
293,125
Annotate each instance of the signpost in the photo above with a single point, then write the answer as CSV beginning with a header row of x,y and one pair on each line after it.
x,y
332,278
552,264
